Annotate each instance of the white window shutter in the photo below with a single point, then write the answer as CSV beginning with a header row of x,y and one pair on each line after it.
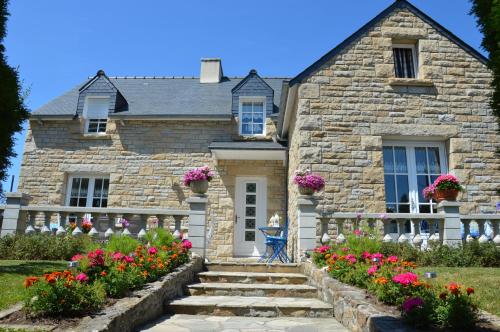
x,y
97,108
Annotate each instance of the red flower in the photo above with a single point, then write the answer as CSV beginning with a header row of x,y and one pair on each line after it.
x,y
454,288
470,291
30,281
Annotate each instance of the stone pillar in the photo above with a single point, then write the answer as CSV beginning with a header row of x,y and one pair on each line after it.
x,y
306,214
11,215
452,233
197,224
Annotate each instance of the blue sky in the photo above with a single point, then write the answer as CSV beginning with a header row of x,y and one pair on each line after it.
x,y
57,44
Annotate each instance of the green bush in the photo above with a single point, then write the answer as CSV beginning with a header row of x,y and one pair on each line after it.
x,y
41,246
123,244
473,254
159,237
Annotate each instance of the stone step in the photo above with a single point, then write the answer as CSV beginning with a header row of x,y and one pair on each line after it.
x,y
239,289
252,277
250,306
252,267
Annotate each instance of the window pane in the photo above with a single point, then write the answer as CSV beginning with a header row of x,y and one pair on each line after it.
x,y
388,160
249,235
434,163
75,187
82,202
73,202
84,187
250,211
104,203
246,107
390,189
102,127
246,117
251,199
251,187
250,223
391,208
258,128
421,160
404,208
258,107
422,182
96,202
403,62
402,188
98,188
407,226
424,208
258,118
400,158
105,188
246,128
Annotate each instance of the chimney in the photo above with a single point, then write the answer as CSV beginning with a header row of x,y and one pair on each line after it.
x,y
211,70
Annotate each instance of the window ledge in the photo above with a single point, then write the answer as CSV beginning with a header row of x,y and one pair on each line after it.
x,y
95,136
410,82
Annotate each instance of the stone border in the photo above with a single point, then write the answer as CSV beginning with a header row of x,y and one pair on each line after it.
x,y
351,306
144,305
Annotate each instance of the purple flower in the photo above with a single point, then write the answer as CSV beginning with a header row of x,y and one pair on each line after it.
x,y
410,303
125,223
309,180
198,174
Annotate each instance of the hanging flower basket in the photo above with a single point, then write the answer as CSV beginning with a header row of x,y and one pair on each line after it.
x,y
197,179
308,183
445,188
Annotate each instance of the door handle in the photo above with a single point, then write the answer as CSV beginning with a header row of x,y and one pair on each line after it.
x,y
235,218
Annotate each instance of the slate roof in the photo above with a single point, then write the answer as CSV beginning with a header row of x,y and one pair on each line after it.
x,y
246,145
160,96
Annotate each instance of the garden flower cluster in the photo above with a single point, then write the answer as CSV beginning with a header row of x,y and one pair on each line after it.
x,y
102,273
309,180
394,282
443,182
198,174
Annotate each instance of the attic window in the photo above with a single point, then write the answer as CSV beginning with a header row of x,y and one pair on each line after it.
x,y
96,115
405,60
252,116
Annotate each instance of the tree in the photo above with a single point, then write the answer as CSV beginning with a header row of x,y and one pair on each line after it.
x,y
13,112
487,14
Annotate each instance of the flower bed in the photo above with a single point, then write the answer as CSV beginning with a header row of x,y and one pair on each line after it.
x,y
392,281
104,272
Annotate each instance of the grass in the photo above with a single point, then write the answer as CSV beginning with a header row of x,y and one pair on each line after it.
x,y
13,273
484,280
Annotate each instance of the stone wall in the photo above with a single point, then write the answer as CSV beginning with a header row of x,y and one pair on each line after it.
x,y
145,161
350,105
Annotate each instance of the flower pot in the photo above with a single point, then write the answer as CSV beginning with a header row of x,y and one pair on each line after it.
x,y
445,195
199,187
306,191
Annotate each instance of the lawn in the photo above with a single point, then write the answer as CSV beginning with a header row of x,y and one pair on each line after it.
x,y
13,273
484,280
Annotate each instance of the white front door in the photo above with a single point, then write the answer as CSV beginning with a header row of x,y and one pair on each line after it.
x,y
251,207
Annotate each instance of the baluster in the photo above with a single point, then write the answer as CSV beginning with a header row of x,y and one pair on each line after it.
x,y
61,229
401,228
387,230
441,230
417,239
29,221
112,217
467,236
325,238
95,220
46,222
340,231
496,235
144,225
161,220
433,237
177,227
482,236
77,231
125,230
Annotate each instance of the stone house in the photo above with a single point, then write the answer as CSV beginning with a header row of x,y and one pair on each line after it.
x,y
397,103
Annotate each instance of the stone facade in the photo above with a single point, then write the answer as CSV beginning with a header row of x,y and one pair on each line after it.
x,y
352,103
145,161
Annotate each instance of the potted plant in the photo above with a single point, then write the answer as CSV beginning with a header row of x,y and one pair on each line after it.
x,y
445,188
197,179
308,182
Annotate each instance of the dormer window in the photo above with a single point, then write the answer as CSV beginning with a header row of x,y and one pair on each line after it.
x,y
95,114
405,60
252,116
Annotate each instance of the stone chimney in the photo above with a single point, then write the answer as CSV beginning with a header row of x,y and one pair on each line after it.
x,y
211,70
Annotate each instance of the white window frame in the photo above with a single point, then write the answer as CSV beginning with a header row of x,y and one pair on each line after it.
x,y
412,170
90,191
247,99
86,118
414,53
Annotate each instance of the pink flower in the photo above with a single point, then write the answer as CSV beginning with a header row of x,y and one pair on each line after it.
x,y
152,251
308,180
429,191
99,252
322,249
82,277
128,259
198,174
372,270
366,255
187,244
358,232
377,255
117,256
405,278
344,249
77,257
351,258
410,303
392,259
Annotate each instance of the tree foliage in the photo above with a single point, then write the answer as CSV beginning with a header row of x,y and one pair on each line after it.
x,y
13,112
487,14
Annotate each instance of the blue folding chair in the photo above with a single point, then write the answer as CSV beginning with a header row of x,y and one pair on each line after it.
x,y
277,245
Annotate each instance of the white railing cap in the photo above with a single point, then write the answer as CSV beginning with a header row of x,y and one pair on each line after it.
x,y
132,211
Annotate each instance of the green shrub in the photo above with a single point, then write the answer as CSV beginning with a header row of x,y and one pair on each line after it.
x,y
41,246
123,244
159,237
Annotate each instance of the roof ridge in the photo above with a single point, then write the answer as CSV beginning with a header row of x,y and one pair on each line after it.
x,y
185,77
